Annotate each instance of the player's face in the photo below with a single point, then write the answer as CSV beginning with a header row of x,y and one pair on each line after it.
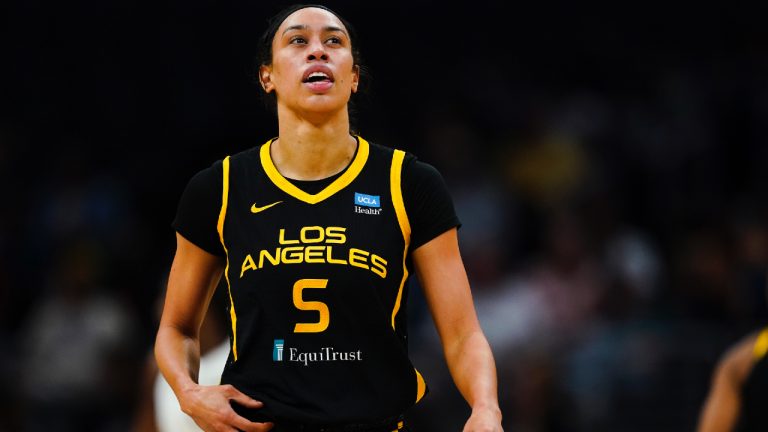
x,y
312,66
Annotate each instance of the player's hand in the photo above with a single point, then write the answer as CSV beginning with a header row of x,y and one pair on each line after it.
x,y
209,407
484,420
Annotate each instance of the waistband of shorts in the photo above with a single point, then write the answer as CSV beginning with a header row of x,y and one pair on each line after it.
x,y
392,424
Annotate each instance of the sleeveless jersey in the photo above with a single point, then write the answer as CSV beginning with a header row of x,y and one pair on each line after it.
x,y
754,392
317,289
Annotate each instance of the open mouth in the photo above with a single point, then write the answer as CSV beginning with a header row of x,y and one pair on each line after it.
x,y
318,77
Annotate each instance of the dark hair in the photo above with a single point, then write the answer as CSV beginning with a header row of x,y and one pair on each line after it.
x,y
264,54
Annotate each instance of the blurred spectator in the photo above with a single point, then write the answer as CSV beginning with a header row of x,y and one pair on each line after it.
x,y
750,234
704,284
487,215
546,169
77,360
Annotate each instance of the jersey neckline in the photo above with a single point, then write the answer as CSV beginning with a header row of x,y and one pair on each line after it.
x,y
348,175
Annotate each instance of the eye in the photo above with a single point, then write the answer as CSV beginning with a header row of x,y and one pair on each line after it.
x,y
297,40
334,40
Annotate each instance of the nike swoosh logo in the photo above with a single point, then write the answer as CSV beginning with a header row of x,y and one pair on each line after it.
x,y
255,209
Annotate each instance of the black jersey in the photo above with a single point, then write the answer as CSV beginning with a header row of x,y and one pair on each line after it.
x,y
317,286
754,392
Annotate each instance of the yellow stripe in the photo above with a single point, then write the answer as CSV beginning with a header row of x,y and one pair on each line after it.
x,y
220,229
395,175
421,386
340,183
402,219
761,345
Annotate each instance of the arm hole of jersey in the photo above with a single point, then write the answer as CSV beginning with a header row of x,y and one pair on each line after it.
x,y
761,345
220,229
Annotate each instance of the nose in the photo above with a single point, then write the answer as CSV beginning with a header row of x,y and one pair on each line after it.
x,y
317,52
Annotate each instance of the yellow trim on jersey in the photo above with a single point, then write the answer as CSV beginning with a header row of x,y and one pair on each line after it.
x,y
395,176
421,386
402,219
220,229
761,345
340,183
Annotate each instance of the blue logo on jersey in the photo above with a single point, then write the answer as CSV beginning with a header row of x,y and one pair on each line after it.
x,y
277,350
367,200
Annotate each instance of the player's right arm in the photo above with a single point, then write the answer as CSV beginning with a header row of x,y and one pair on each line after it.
x,y
723,405
194,276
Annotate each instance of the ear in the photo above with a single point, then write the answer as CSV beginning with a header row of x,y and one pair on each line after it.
x,y
265,78
355,77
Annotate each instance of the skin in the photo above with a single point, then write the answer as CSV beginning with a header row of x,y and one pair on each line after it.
x,y
721,409
314,143
314,140
441,272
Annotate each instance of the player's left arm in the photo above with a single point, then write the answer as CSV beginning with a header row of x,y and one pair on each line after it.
x,y
470,360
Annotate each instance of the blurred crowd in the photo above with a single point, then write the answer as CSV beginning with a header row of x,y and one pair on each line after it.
x,y
610,180
607,283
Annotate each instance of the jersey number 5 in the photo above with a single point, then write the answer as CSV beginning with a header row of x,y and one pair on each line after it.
x,y
301,304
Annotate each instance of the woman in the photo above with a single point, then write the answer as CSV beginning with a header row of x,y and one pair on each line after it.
x,y
316,233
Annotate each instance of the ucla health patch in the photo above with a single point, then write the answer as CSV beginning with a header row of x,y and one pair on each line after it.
x,y
373,201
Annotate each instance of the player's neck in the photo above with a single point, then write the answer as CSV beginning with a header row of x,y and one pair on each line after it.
x,y
306,150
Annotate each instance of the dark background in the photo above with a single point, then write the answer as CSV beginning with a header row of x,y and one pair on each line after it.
x,y
608,164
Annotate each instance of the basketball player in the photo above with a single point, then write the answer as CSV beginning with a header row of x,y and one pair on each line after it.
x,y
316,233
739,394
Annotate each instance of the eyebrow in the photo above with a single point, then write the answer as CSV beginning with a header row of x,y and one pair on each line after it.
x,y
325,29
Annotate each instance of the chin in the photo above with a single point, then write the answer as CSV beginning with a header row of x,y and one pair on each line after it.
x,y
322,104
